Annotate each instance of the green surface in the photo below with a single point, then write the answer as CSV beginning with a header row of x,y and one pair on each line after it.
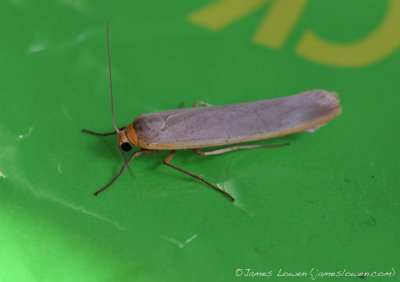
x,y
329,201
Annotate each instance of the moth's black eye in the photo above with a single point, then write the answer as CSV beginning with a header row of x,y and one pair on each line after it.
x,y
126,146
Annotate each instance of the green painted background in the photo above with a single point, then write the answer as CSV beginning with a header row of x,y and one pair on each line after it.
x,y
329,201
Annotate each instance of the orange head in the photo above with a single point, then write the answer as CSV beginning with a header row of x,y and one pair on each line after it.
x,y
123,141
127,138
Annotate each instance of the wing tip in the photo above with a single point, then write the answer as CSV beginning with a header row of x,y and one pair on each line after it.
x,y
328,99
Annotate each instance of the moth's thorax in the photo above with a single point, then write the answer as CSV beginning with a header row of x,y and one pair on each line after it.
x,y
133,138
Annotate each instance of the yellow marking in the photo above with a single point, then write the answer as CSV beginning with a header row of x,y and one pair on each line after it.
x,y
222,13
281,19
383,41
283,15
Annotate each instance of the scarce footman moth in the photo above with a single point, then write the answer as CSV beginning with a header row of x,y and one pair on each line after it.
x,y
210,126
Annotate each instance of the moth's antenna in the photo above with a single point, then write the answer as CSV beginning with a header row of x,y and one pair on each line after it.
x,y
109,70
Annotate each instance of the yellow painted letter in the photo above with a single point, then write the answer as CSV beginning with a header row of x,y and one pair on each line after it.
x,y
383,41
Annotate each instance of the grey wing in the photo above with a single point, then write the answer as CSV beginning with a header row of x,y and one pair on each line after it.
x,y
213,126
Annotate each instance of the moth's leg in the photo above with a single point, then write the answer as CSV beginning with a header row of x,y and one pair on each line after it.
x,y
196,104
234,148
123,157
135,154
102,134
108,134
167,162
200,103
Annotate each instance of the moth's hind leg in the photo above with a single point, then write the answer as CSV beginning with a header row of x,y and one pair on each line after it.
x,y
234,148
196,104
167,162
101,134
200,103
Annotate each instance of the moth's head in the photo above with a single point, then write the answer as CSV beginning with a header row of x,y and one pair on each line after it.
x,y
123,141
